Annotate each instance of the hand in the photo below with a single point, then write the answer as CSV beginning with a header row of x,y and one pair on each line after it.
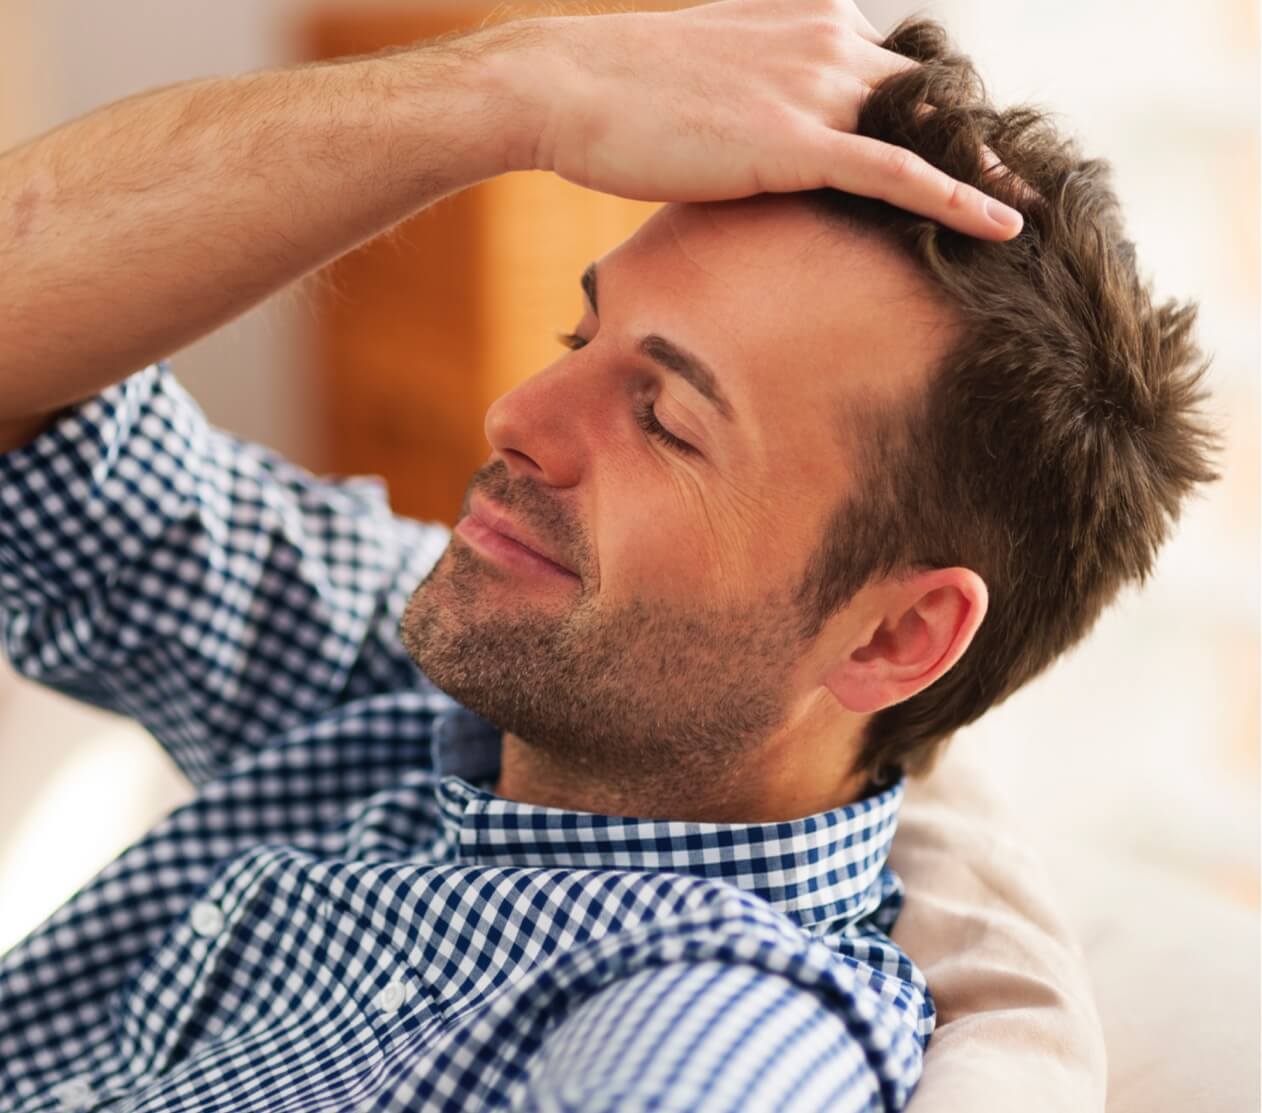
x,y
726,100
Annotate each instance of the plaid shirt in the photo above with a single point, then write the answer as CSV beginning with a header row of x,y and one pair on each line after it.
x,y
345,917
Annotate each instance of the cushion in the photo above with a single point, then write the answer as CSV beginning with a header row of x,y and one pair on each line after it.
x,y
1017,1023
1174,964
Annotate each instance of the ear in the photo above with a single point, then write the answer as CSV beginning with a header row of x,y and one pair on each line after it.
x,y
924,625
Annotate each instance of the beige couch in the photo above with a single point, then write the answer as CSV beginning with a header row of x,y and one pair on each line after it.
x,y
1073,981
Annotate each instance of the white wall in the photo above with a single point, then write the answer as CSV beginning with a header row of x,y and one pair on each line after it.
x,y
79,55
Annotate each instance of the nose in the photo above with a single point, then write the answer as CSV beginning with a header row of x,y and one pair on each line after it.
x,y
541,428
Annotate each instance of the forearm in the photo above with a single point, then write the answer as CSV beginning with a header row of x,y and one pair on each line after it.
x,y
128,233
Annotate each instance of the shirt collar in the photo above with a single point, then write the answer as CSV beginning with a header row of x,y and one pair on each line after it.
x,y
819,869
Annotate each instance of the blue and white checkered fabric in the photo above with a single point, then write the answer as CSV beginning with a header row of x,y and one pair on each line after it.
x,y
345,917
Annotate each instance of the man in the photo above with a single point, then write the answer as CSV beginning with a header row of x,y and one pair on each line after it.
x,y
820,481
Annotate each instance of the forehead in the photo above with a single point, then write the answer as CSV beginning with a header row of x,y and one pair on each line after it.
x,y
796,316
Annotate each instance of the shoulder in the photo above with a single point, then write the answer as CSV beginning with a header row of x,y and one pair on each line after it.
x,y
709,1036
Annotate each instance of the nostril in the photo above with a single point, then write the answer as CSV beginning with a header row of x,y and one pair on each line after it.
x,y
522,458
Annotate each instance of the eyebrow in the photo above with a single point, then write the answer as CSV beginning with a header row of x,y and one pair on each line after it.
x,y
672,357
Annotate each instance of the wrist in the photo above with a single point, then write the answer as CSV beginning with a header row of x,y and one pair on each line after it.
x,y
512,65
461,106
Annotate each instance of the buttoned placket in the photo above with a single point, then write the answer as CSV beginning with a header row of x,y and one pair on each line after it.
x,y
76,1093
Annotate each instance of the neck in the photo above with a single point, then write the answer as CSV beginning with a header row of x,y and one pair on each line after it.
x,y
801,771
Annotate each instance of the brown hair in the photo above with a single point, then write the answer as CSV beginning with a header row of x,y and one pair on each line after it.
x,y
1056,442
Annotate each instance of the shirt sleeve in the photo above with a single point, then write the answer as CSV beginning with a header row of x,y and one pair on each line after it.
x,y
158,567
709,1037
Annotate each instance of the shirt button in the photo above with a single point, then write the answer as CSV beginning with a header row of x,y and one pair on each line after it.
x,y
207,919
74,1093
390,998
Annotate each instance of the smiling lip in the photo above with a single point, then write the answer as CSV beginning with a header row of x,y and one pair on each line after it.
x,y
493,533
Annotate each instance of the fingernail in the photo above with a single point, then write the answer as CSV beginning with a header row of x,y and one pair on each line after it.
x,y
1007,218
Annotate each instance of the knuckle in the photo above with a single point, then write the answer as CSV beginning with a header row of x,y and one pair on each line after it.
x,y
899,165
831,37
857,90
961,197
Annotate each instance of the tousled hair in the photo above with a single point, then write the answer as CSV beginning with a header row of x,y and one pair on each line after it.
x,y
1056,442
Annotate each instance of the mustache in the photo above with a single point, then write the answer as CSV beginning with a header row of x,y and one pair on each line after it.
x,y
542,515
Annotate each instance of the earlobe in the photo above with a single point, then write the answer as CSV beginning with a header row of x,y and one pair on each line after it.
x,y
929,622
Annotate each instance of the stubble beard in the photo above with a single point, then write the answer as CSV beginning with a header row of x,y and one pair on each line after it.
x,y
644,694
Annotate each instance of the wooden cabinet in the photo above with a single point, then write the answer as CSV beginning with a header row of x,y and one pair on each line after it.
x,y
418,332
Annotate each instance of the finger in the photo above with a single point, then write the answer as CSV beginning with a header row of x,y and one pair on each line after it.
x,y
993,168
861,24
873,63
857,164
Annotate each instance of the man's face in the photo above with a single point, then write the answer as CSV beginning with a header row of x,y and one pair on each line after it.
x,y
673,653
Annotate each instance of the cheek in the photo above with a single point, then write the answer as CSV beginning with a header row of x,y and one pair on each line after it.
x,y
723,540
666,544
758,534
685,538
680,543
660,551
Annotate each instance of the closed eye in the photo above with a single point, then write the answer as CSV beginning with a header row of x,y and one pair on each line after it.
x,y
645,415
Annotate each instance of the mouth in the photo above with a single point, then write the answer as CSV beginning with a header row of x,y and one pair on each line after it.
x,y
507,551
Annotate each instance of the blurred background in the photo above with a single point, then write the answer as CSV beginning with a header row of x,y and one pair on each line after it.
x,y
1142,745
